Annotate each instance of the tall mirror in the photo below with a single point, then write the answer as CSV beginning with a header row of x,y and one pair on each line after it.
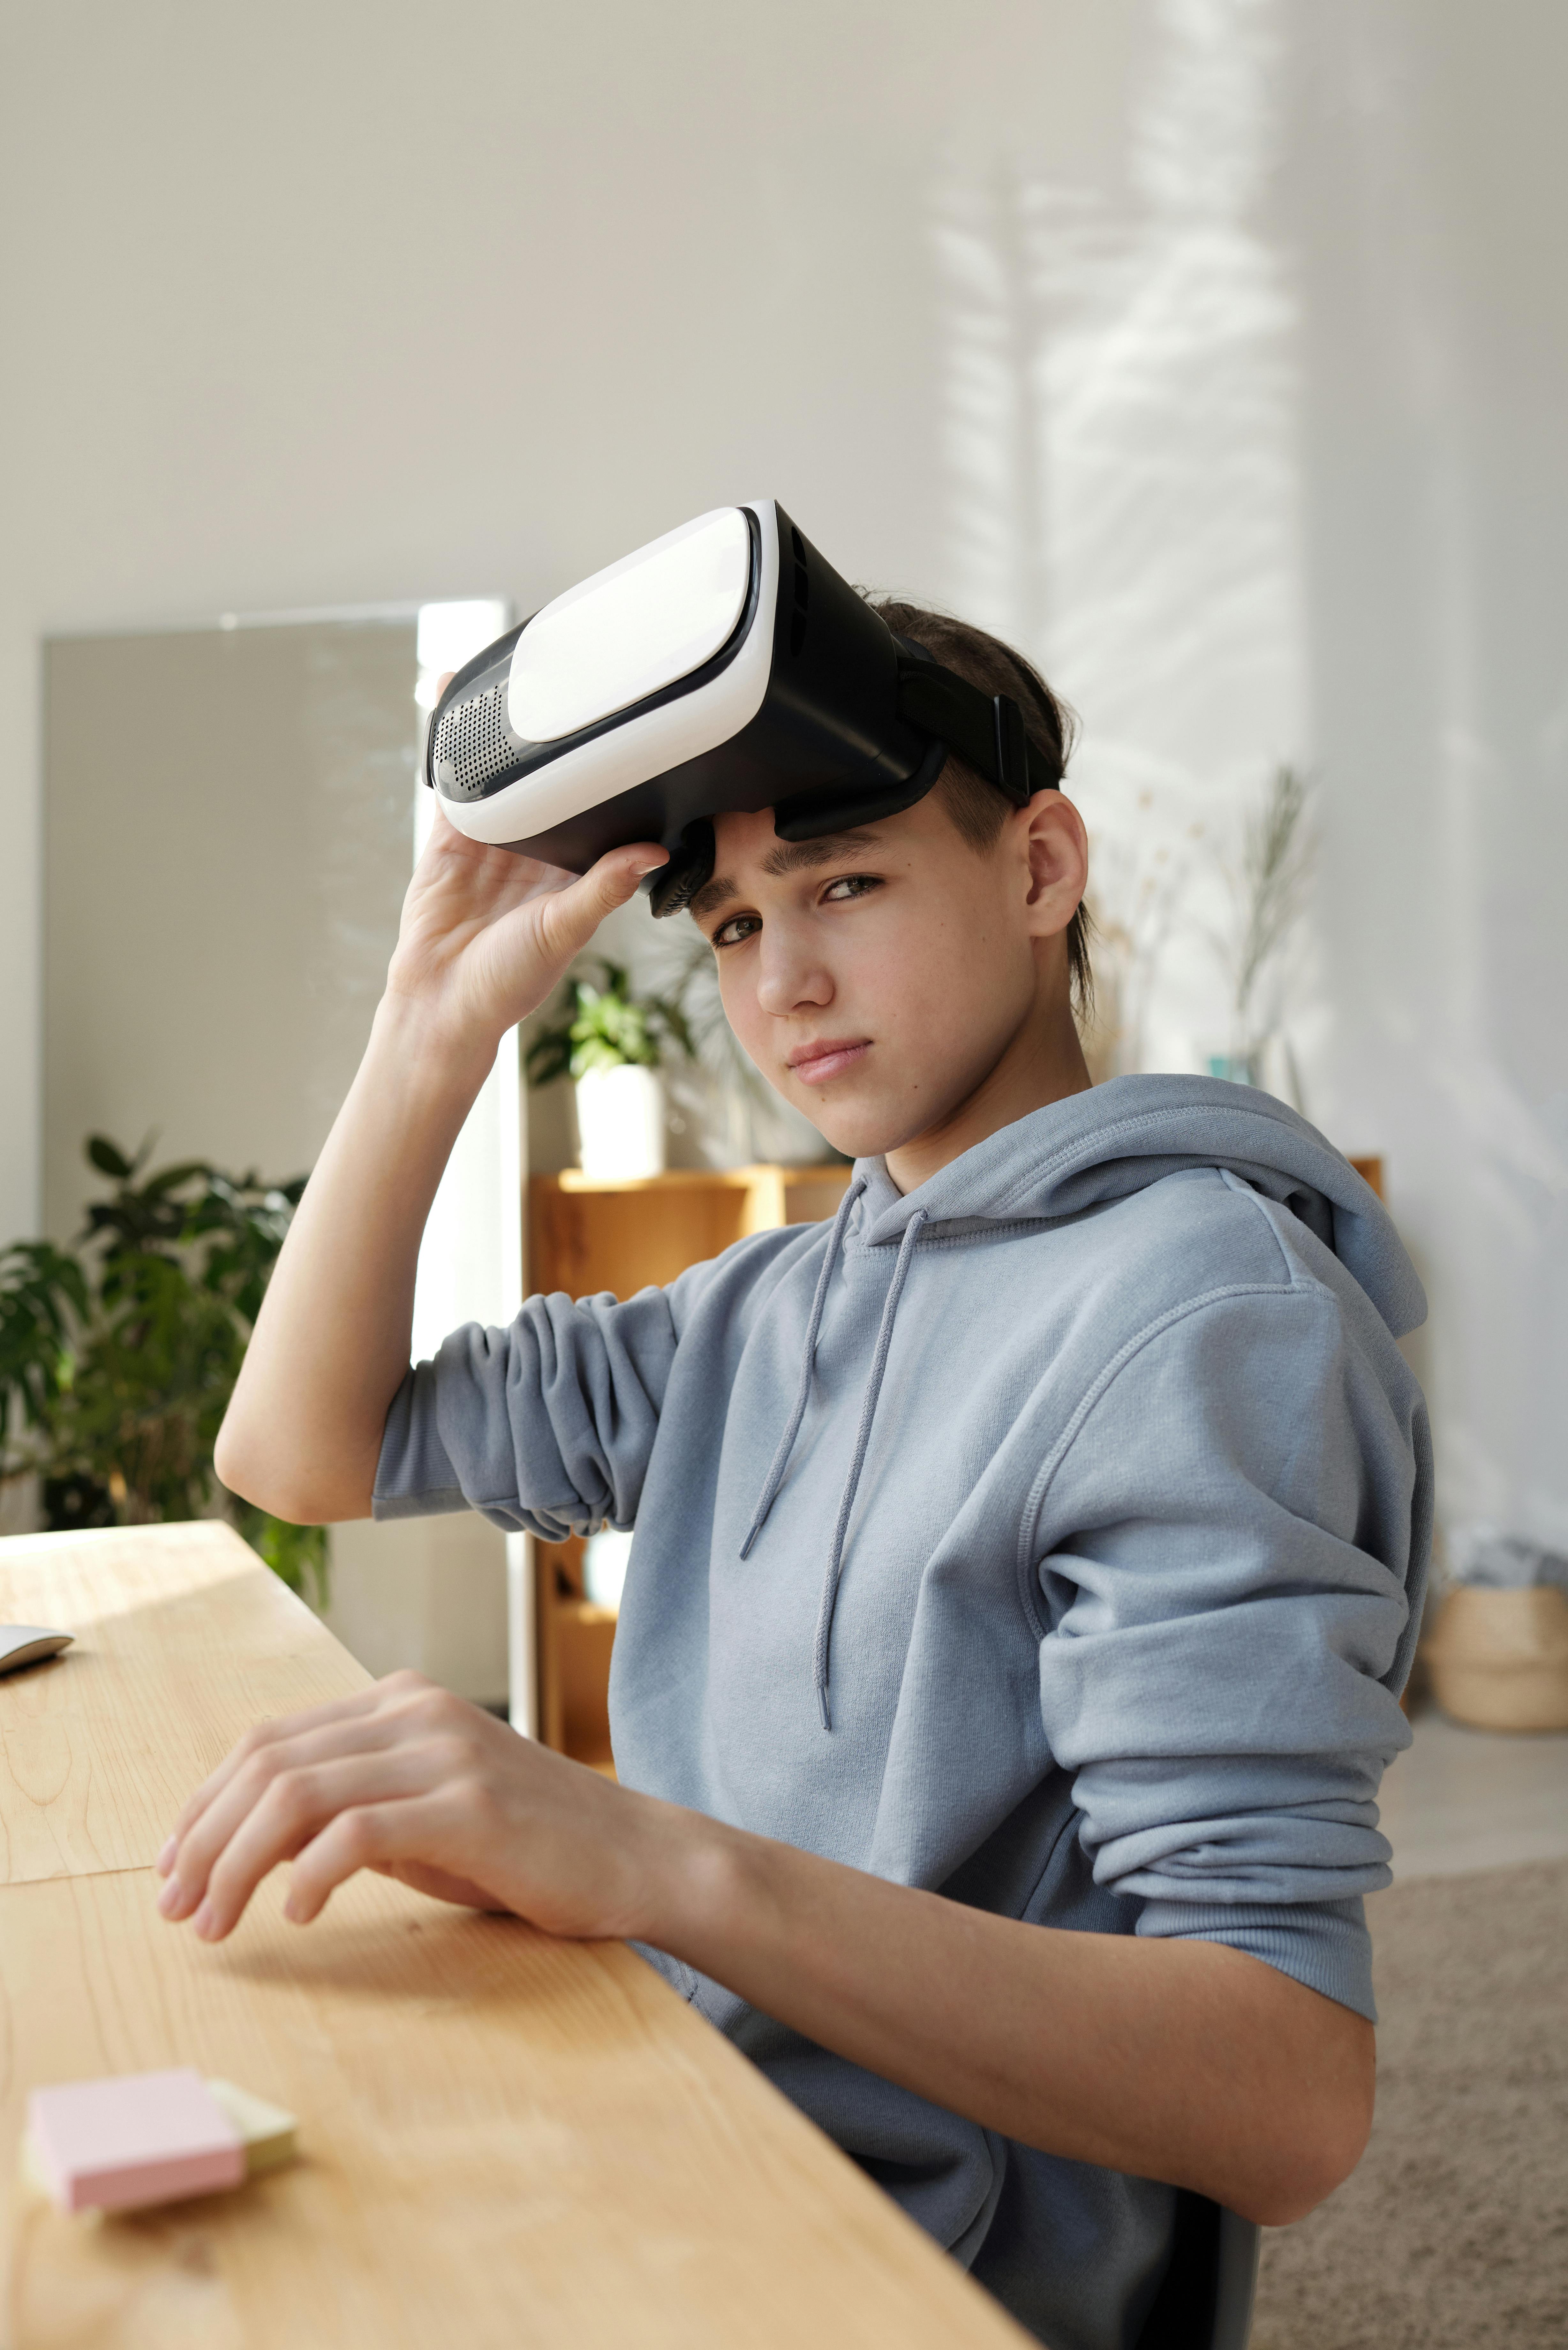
x,y
229,827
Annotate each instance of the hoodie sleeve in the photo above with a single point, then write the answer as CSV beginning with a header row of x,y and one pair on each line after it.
x,y
547,1425
1231,1547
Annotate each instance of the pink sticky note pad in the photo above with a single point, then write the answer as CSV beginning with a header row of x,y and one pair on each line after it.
x,y
147,2137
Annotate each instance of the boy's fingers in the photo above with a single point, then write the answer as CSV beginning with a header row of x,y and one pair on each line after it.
x,y
261,1735
293,1811
246,1788
372,1836
568,917
254,1741
265,1735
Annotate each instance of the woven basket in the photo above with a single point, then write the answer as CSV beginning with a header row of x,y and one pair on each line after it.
x,y
1499,1660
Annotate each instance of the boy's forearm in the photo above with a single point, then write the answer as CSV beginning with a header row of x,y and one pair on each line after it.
x,y
1185,2061
302,1435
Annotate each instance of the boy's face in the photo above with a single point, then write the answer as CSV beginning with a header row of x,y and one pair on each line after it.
x,y
882,978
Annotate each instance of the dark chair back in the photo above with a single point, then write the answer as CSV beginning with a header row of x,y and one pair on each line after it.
x,y
1205,2298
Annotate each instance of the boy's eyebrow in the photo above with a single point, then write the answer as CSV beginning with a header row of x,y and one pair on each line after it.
x,y
789,857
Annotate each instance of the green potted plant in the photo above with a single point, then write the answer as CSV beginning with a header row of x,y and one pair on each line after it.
x,y
118,1355
611,1043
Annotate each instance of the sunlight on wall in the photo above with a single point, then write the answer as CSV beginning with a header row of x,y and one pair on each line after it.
x,y
1121,424
1265,307
1443,737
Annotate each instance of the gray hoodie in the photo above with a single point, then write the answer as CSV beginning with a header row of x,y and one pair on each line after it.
x,y
1052,1536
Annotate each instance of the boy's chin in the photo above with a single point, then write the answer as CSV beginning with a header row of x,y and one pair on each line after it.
x,y
856,1129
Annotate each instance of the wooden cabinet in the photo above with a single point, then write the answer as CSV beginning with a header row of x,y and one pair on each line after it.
x,y
584,1238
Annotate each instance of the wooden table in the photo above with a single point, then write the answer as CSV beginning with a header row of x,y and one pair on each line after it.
x,y
507,2140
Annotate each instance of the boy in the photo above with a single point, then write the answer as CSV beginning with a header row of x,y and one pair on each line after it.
x,y
1026,1565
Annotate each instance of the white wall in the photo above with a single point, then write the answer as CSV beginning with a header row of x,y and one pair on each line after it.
x,y
1430,184
1216,346
339,302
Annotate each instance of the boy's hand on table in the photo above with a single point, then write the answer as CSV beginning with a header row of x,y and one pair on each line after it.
x,y
411,1781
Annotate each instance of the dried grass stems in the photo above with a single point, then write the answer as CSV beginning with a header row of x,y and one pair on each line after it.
x,y
1268,892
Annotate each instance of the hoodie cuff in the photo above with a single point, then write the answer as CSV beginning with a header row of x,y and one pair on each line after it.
x,y
415,1477
1323,1944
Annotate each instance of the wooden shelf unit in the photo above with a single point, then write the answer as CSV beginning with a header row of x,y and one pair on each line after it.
x,y
586,1238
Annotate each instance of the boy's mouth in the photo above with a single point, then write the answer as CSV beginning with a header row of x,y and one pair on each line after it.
x,y
825,1057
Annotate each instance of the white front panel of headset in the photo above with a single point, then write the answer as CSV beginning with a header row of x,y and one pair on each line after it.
x,y
647,745
632,629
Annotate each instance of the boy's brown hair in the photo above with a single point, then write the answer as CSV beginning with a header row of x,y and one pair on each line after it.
x,y
976,807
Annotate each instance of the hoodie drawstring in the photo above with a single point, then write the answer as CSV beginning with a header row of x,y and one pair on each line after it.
x,y
775,1475
862,1439
775,1478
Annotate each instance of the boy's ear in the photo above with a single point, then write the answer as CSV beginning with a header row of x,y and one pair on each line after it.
x,y
1057,847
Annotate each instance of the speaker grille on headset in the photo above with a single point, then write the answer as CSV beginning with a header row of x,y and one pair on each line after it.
x,y
473,745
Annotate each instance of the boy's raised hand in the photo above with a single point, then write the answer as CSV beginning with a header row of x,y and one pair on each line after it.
x,y
486,936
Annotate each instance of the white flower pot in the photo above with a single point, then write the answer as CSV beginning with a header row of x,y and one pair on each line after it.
x,y
620,1124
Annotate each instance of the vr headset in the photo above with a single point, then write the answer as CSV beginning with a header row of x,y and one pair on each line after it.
x,y
724,665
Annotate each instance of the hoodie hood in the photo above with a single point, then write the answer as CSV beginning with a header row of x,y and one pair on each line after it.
x,y
1118,1138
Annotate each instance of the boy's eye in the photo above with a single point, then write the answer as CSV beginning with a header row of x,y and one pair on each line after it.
x,y
843,888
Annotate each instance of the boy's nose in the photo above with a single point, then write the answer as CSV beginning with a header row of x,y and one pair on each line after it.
x,y
789,980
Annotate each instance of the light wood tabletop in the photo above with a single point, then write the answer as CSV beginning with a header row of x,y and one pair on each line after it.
x,y
182,1640
506,2139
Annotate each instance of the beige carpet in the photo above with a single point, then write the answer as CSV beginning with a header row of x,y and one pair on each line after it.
x,y
1453,2233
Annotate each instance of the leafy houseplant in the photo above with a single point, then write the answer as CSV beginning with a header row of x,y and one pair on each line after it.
x,y
612,1043
117,1356
609,1027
